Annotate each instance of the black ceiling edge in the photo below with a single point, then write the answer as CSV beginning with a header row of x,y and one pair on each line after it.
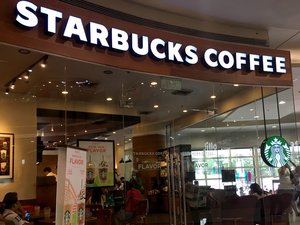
x,y
163,26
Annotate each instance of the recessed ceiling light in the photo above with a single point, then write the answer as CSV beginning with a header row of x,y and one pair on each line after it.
x,y
114,132
109,99
236,85
155,106
153,83
251,110
281,102
65,92
256,117
185,110
213,97
202,130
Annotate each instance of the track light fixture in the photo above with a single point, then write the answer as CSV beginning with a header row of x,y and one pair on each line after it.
x,y
44,61
25,74
12,85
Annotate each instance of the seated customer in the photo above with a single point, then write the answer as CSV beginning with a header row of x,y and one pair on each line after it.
x,y
133,196
256,190
11,210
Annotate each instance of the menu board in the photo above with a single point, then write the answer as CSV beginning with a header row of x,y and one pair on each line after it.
x,y
73,192
6,156
100,162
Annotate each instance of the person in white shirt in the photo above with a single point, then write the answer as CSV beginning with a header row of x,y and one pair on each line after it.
x,y
297,184
10,209
286,185
48,171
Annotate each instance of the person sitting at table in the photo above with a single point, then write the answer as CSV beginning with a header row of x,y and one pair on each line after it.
x,y
12,210
133,196
256,190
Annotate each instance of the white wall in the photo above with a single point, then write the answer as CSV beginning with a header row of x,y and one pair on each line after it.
x,y
19,117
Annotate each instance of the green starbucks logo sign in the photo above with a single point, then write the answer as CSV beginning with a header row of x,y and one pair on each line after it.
x,y
275,151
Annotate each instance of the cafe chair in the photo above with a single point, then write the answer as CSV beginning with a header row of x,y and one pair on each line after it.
x,y
238,210
140,213
104,216
276,209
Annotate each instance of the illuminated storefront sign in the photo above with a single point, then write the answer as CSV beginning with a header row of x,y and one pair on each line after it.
x,y
275,151
97,34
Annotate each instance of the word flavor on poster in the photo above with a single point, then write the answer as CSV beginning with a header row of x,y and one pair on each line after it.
x,y
100,162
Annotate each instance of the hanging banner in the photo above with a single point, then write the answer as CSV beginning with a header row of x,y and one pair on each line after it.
x,y
100,162
70,206
275,151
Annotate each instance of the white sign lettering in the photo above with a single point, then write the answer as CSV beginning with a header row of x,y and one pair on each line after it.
x,y
140,45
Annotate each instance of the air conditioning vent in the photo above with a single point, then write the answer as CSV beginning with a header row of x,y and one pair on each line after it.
x,y
182,92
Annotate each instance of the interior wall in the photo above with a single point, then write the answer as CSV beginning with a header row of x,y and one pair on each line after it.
x,y
19,118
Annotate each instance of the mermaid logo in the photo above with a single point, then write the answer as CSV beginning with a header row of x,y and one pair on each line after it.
x,y
275,151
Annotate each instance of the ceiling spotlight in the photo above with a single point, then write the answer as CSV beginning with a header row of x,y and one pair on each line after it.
x,y
153,83
185,110
109,99
65,92
12,86
281,102
26,76
44,62
236,85
213,97
7,91
155,106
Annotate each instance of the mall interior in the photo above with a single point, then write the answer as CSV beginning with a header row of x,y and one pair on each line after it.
x,y
191,137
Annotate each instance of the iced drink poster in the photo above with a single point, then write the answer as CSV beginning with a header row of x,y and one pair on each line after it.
x,y
74,191
100,162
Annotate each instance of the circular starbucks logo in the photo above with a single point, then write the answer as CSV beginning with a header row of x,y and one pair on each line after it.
x,y
275,151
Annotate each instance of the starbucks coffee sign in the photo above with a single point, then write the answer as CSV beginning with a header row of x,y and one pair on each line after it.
x,y
119,40
275,151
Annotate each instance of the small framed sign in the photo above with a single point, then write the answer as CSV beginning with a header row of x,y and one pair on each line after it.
x,y
7,155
